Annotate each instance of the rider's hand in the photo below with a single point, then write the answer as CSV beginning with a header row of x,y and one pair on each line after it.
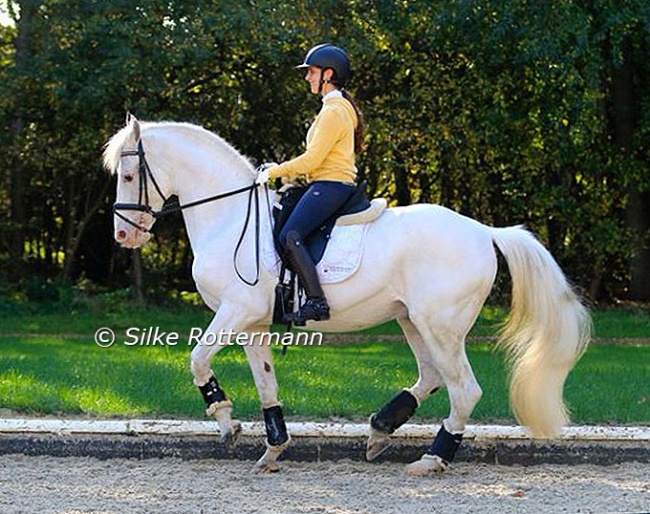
x,y
263,172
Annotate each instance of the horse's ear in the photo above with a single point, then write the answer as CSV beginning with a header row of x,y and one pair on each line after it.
x,y
135,127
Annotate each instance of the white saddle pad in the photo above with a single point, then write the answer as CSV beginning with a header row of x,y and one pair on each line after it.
x,y
342,255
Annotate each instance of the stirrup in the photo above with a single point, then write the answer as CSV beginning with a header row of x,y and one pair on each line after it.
x,y
315,309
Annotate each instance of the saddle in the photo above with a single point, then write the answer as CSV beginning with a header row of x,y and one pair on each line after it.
x,y
357,209
316,242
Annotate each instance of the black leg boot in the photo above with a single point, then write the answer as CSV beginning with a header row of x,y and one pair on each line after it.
x,y
315,308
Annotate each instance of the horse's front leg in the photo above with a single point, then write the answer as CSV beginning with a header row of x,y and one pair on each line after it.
x,y
218,405
260,359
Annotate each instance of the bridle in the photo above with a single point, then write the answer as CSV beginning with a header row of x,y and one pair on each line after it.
x,y
145,175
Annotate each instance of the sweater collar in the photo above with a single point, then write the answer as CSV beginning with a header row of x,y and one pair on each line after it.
x,y
335,93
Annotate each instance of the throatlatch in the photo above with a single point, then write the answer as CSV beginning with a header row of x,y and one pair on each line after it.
x,y
445,445
395,413
276,429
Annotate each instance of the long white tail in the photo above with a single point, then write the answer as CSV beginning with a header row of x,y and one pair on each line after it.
x,y
547,331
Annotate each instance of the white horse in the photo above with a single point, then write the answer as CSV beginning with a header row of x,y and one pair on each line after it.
x,y
426,266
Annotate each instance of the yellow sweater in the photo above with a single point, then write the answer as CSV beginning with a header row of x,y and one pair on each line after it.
x,y
330,146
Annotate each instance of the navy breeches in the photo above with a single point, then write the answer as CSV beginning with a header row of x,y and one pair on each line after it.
x,y
322,199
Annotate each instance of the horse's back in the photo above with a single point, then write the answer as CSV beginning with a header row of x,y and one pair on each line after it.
x,y
430,224
430,243
419,258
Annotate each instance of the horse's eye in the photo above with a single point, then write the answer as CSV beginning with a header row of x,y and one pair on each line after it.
x,y
128,178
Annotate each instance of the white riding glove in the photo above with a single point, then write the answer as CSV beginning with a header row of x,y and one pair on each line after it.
x,y
263,172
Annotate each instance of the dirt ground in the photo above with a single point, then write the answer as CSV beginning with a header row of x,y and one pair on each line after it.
x,y
52,485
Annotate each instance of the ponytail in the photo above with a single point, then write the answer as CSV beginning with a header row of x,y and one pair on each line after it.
x,y
360,129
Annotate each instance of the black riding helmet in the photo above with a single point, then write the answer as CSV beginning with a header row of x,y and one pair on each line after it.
x,y
329,56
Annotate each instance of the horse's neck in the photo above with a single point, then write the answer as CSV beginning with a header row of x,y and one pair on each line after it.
x,y
197,172
220,223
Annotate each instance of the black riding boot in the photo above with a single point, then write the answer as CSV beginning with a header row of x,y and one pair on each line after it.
x,y
315,308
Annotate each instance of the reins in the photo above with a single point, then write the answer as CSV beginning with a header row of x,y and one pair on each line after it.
x,y
145,174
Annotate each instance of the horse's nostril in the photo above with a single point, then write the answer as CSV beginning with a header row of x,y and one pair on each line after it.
x,y
120,235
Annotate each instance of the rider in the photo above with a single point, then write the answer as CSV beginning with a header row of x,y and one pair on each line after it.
x,y
333,140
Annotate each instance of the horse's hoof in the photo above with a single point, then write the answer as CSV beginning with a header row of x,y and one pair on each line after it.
x,y
376,447
231,437
427,465
270,467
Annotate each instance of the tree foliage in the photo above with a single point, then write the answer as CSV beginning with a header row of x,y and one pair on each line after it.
x,y
508,111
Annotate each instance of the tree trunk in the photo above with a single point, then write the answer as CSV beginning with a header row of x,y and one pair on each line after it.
x,y
137,276
17,199
402,191
624,120
17,173
76,229
638,219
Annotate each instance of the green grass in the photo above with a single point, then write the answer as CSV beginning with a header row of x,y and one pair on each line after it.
x,y
83,321
621,323
181,317
608,323
49,364
74,376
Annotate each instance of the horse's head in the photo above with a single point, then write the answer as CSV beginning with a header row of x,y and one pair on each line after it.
x,y
153,161
139,193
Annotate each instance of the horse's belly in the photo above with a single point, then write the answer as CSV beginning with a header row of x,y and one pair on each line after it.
x,y
361,316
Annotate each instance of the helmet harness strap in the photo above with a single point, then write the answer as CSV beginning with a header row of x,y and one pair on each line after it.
x,y
322,81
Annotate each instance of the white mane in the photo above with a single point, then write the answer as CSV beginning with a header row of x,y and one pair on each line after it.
x,y
113,148
201,136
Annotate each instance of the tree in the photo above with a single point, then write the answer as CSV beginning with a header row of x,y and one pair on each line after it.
x,y
509,112
24,46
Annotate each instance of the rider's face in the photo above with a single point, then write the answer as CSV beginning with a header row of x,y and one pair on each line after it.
x,y
313,76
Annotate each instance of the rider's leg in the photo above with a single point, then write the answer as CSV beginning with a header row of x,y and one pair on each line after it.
x,y
316,307
319,202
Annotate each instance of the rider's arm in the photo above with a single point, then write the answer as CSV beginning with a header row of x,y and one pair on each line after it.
x,y
324,136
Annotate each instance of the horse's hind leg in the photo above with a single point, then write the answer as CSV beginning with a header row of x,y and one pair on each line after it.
x,y
402,406
449,357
